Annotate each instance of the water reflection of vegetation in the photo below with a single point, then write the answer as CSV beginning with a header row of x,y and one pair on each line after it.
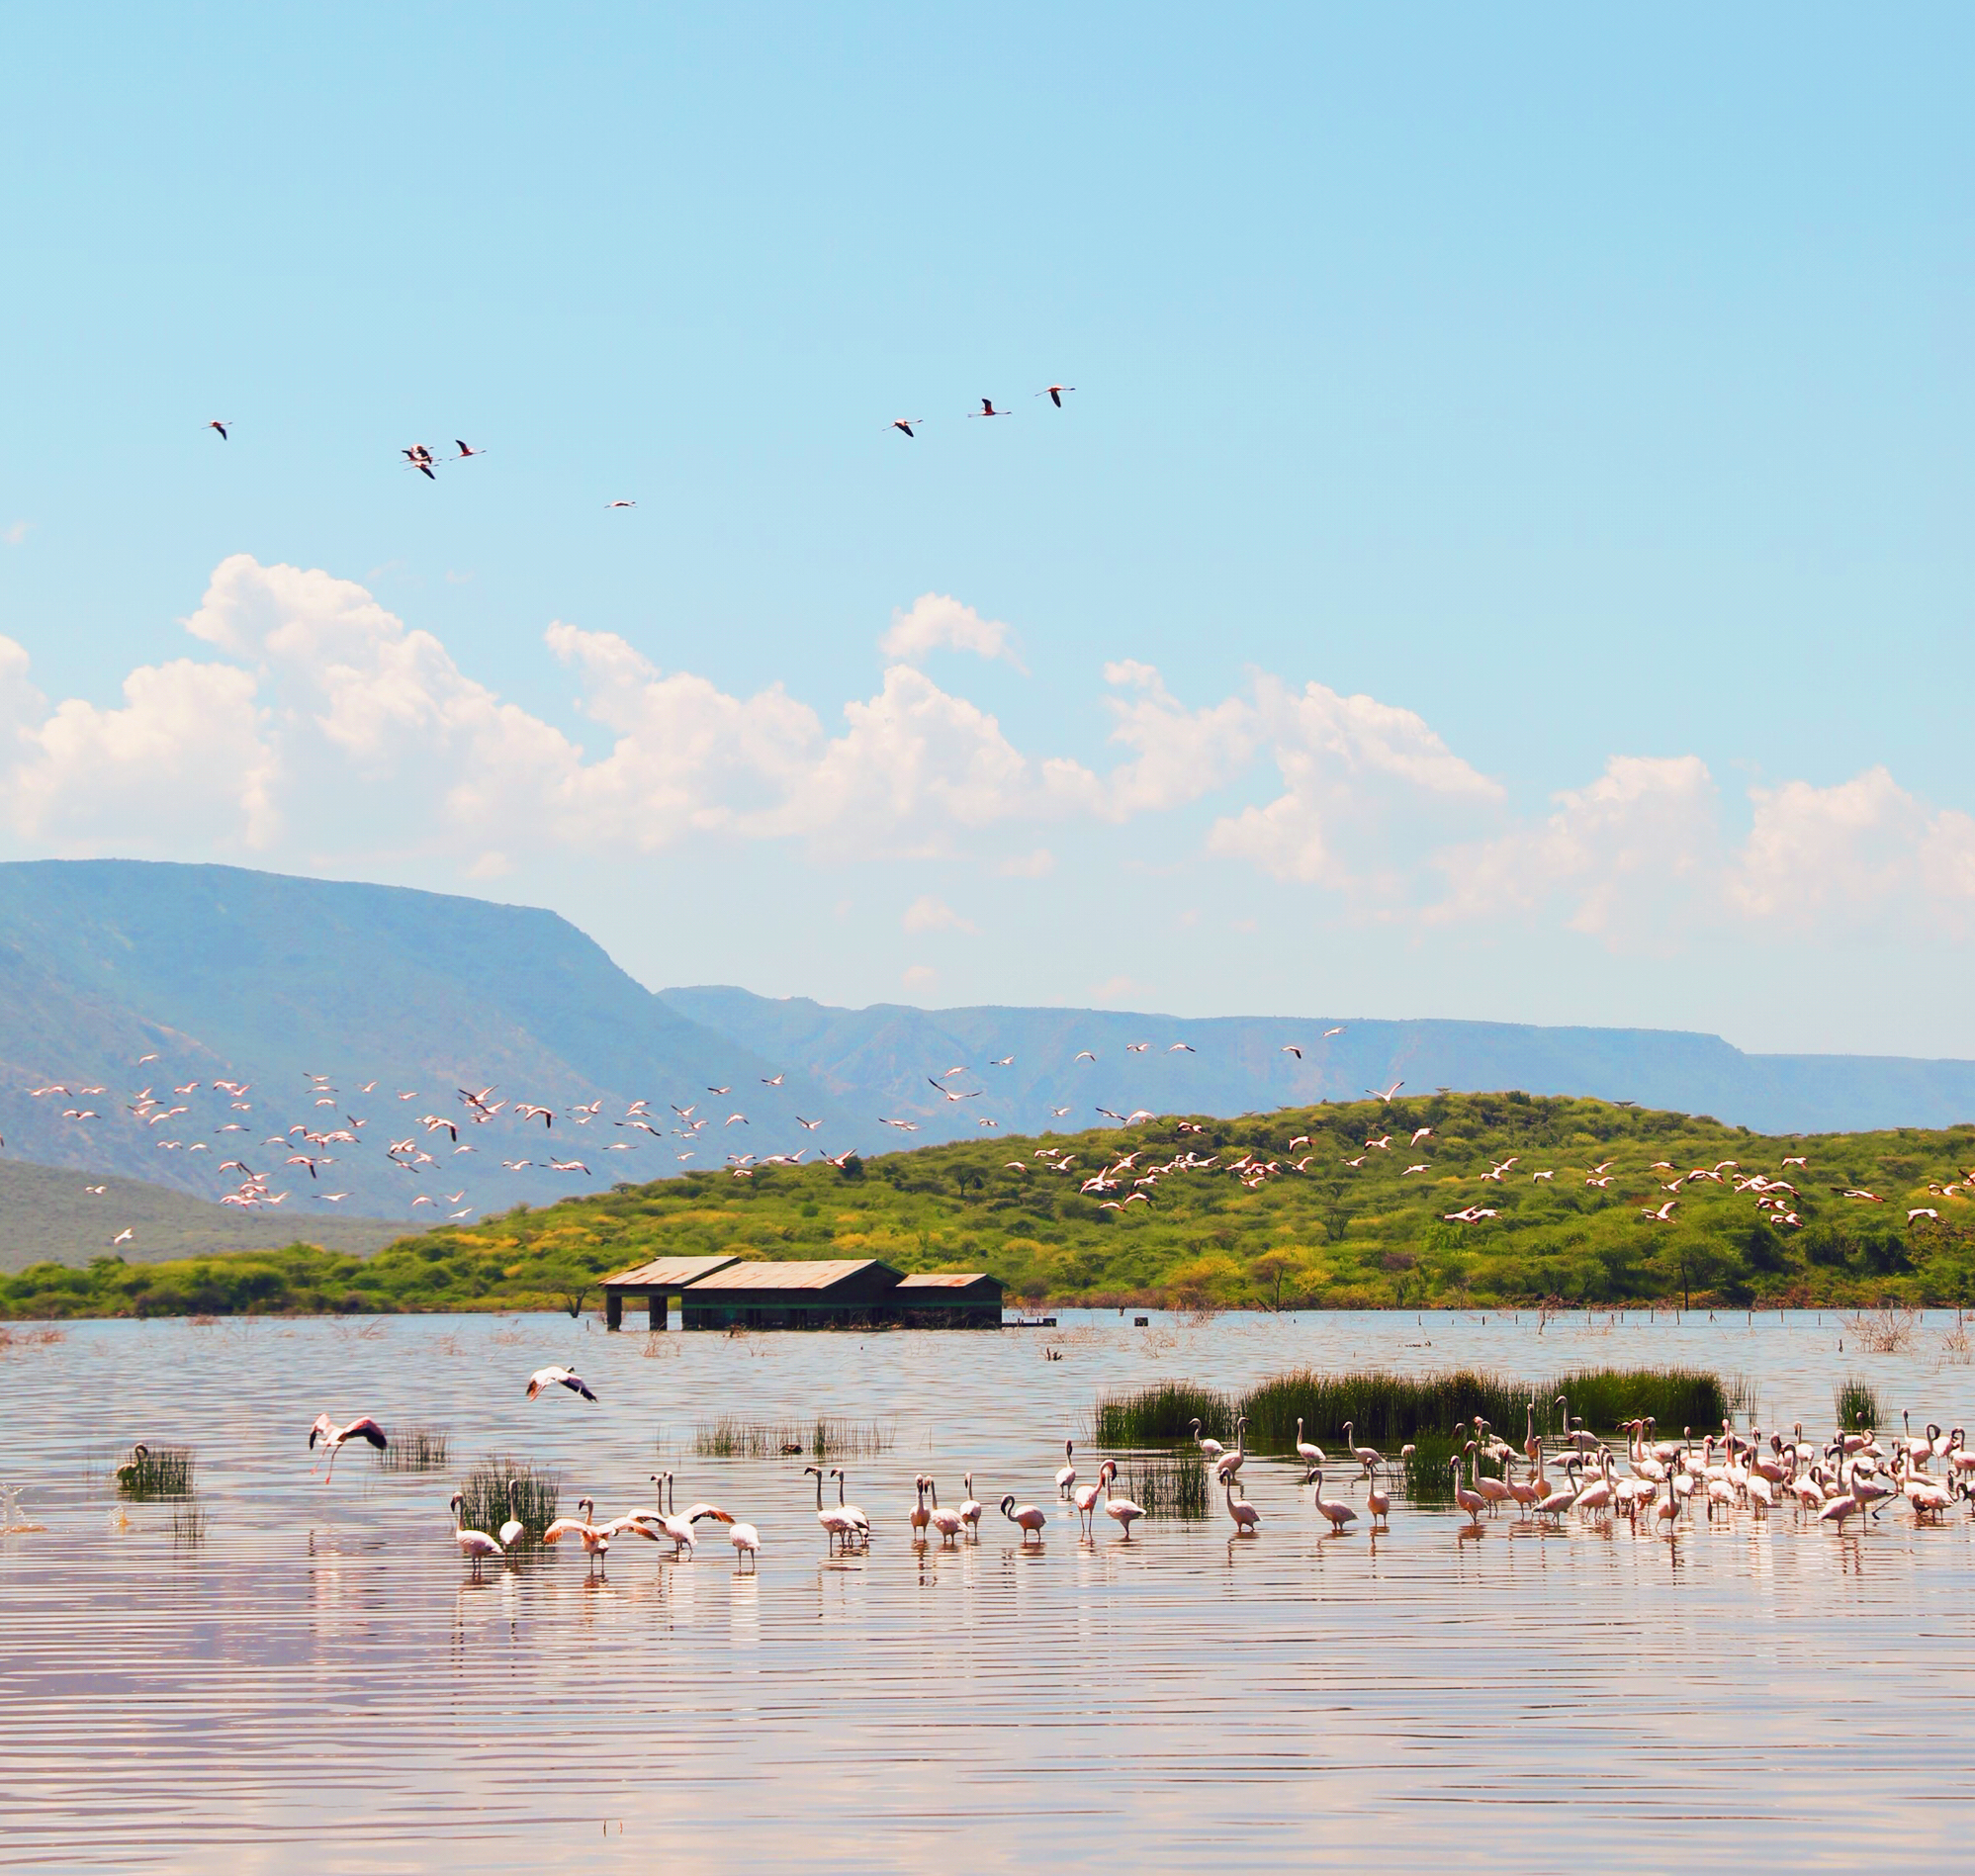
x,y
1173,1488
415,1450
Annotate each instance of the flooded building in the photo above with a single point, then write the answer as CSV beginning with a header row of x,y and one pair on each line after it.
x,y
730,1292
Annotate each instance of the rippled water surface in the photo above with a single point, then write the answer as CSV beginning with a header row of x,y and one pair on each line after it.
x,y
319,1682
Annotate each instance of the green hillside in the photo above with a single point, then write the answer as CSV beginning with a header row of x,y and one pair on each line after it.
x,y
1352,1228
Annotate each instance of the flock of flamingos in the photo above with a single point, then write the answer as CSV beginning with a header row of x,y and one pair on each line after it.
x,y
1851,1476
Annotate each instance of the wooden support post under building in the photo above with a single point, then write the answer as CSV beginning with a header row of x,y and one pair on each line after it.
x,y
613,1309
655,1304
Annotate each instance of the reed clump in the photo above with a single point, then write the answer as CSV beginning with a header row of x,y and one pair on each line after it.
x,y
1168,1487
1856,1403
1163,1415
821,1437
501,1488
188,1525
1389,1409
155,1472
415,1450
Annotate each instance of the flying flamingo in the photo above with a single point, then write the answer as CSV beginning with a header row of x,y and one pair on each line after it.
x,y
333,1437
220,425
558,1378
1054,393
987,409
904,424
473,1545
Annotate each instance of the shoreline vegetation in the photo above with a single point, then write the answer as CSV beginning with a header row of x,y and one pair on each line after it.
x,y
1880,1221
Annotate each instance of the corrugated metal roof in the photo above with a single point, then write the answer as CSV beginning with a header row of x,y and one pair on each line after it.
x,y
762,1274
942,1279
666,1272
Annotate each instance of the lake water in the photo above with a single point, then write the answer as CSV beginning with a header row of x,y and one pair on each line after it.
x,y
319,1683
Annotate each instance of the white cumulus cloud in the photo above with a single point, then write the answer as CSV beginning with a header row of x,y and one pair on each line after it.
x,y
937,621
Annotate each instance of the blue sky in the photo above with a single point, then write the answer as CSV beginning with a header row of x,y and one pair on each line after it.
x,y
1581,406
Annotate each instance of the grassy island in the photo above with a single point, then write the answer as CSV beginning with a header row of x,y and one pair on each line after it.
x,y
1492,1204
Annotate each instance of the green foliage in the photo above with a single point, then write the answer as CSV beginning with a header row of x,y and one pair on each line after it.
x,y
1163,1415
1856,1404
1334,1235
503,1488
155,1472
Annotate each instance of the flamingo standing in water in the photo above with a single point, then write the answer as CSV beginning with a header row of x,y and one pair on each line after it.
x,y
1336,1509
1246,1518
947,1522
1306,1451
920,1517
475,1546
1066,1478
1122,1509
854,1513
746,1542
1029,1517
1377,1501
1085,1498
596,1539
1209,1449
1228,1464
833,1519
1366,1456
1472,1502
971,1508
513,1530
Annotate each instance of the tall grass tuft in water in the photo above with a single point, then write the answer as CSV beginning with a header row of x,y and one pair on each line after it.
x,y
1387,1410
413,1450
501,1488
1605,1396
157,1472
1383,1411
188,1525
1856,1404
1168,1487
821,1437
1163,1415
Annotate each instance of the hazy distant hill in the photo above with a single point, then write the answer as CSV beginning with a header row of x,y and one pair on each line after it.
x,y
257,977
48,1215
1239,1064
